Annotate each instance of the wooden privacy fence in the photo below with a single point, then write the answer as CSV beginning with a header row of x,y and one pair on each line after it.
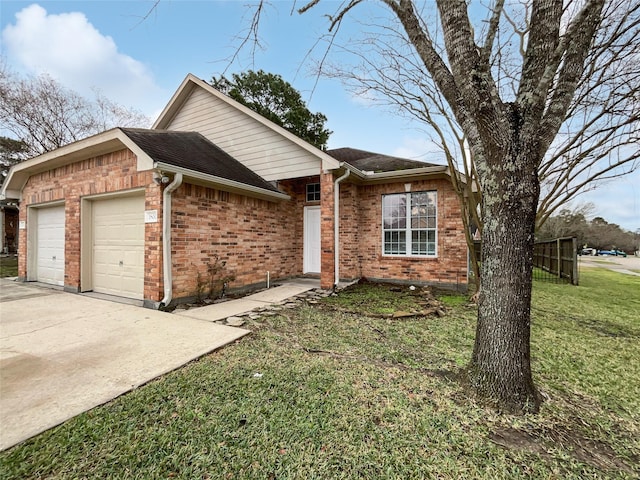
x,y
553,260
556,260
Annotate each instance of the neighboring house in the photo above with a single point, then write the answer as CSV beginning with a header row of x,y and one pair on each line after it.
x,y
143,213
8,227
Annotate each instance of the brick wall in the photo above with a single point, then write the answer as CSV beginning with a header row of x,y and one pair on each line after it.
x,y
327,259
448,268
361,236
251,236
113,172
350,262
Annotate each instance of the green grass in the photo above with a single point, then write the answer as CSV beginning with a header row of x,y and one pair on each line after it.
x,y
357,395
8,266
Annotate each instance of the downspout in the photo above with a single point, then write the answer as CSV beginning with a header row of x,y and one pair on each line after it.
x,y
336,226
166,240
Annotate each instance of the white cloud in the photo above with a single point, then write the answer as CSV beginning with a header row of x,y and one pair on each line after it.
x,y
70,49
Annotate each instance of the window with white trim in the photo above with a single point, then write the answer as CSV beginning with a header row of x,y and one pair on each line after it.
x,y
313,192
409,224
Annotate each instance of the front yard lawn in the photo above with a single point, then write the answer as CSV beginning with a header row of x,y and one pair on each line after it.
x,y
8,266
340,390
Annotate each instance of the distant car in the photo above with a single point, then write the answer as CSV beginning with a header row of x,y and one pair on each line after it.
x,y
613,253
587,251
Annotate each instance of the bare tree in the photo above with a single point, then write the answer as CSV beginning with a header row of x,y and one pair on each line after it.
x,y
513,88
599,136
531,96
44,115
11,152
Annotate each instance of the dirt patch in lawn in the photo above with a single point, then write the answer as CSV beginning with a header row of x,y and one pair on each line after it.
x,y
541,442
385,300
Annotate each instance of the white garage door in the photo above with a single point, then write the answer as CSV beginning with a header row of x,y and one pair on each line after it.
x,y
50,245
118,246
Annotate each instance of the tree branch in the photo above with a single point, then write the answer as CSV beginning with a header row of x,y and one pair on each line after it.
x,y
494,22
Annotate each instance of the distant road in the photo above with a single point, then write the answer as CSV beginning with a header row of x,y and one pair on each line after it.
x,y
629,265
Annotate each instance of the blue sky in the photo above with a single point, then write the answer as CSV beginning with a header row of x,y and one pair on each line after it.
x,y
139,63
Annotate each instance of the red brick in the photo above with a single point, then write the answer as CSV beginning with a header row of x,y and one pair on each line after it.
x,y
108,173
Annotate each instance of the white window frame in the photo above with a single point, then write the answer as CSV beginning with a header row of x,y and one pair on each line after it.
x,y
408,229
318,192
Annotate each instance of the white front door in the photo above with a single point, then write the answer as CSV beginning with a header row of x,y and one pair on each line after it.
x,y
311,250
50,245
118,246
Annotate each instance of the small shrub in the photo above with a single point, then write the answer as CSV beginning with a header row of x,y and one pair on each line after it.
x,y
215,282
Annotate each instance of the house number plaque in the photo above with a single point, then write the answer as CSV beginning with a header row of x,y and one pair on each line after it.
x,y
150,216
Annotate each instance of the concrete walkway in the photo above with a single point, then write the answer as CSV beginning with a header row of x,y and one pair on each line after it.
x,y
274,295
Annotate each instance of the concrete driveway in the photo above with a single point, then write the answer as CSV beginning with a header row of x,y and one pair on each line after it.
x,y
628,265
62,354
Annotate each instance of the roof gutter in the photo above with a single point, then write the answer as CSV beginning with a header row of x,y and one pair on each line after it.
x,y
336,225
413,172
369,176
166,240
224,182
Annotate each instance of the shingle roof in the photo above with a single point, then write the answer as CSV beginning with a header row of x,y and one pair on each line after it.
x,y
375,162
192,151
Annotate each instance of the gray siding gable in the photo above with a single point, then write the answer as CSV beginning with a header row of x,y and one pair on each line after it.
x,y
267,149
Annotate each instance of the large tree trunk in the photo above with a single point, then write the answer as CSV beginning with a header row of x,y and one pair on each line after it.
x,y
500,366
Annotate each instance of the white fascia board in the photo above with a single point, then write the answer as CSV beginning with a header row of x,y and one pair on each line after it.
x,y
105,142
176,101
366,176
413,172
191,81
9,194
223,183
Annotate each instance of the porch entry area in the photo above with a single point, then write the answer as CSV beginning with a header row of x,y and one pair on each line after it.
x,y
311,246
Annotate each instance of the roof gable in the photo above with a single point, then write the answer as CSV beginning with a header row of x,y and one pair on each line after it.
x,y
100,144
266,148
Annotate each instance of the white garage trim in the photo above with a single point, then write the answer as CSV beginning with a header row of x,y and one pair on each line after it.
x,y
113,244
46,243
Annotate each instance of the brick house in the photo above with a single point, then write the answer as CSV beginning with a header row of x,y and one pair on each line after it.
x,y
144,213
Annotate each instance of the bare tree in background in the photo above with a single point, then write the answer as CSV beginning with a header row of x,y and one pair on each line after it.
x,y
11,152
44,115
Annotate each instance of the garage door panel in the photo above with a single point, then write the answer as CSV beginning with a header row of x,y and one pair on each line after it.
x,y
133,258
118,247
50,245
